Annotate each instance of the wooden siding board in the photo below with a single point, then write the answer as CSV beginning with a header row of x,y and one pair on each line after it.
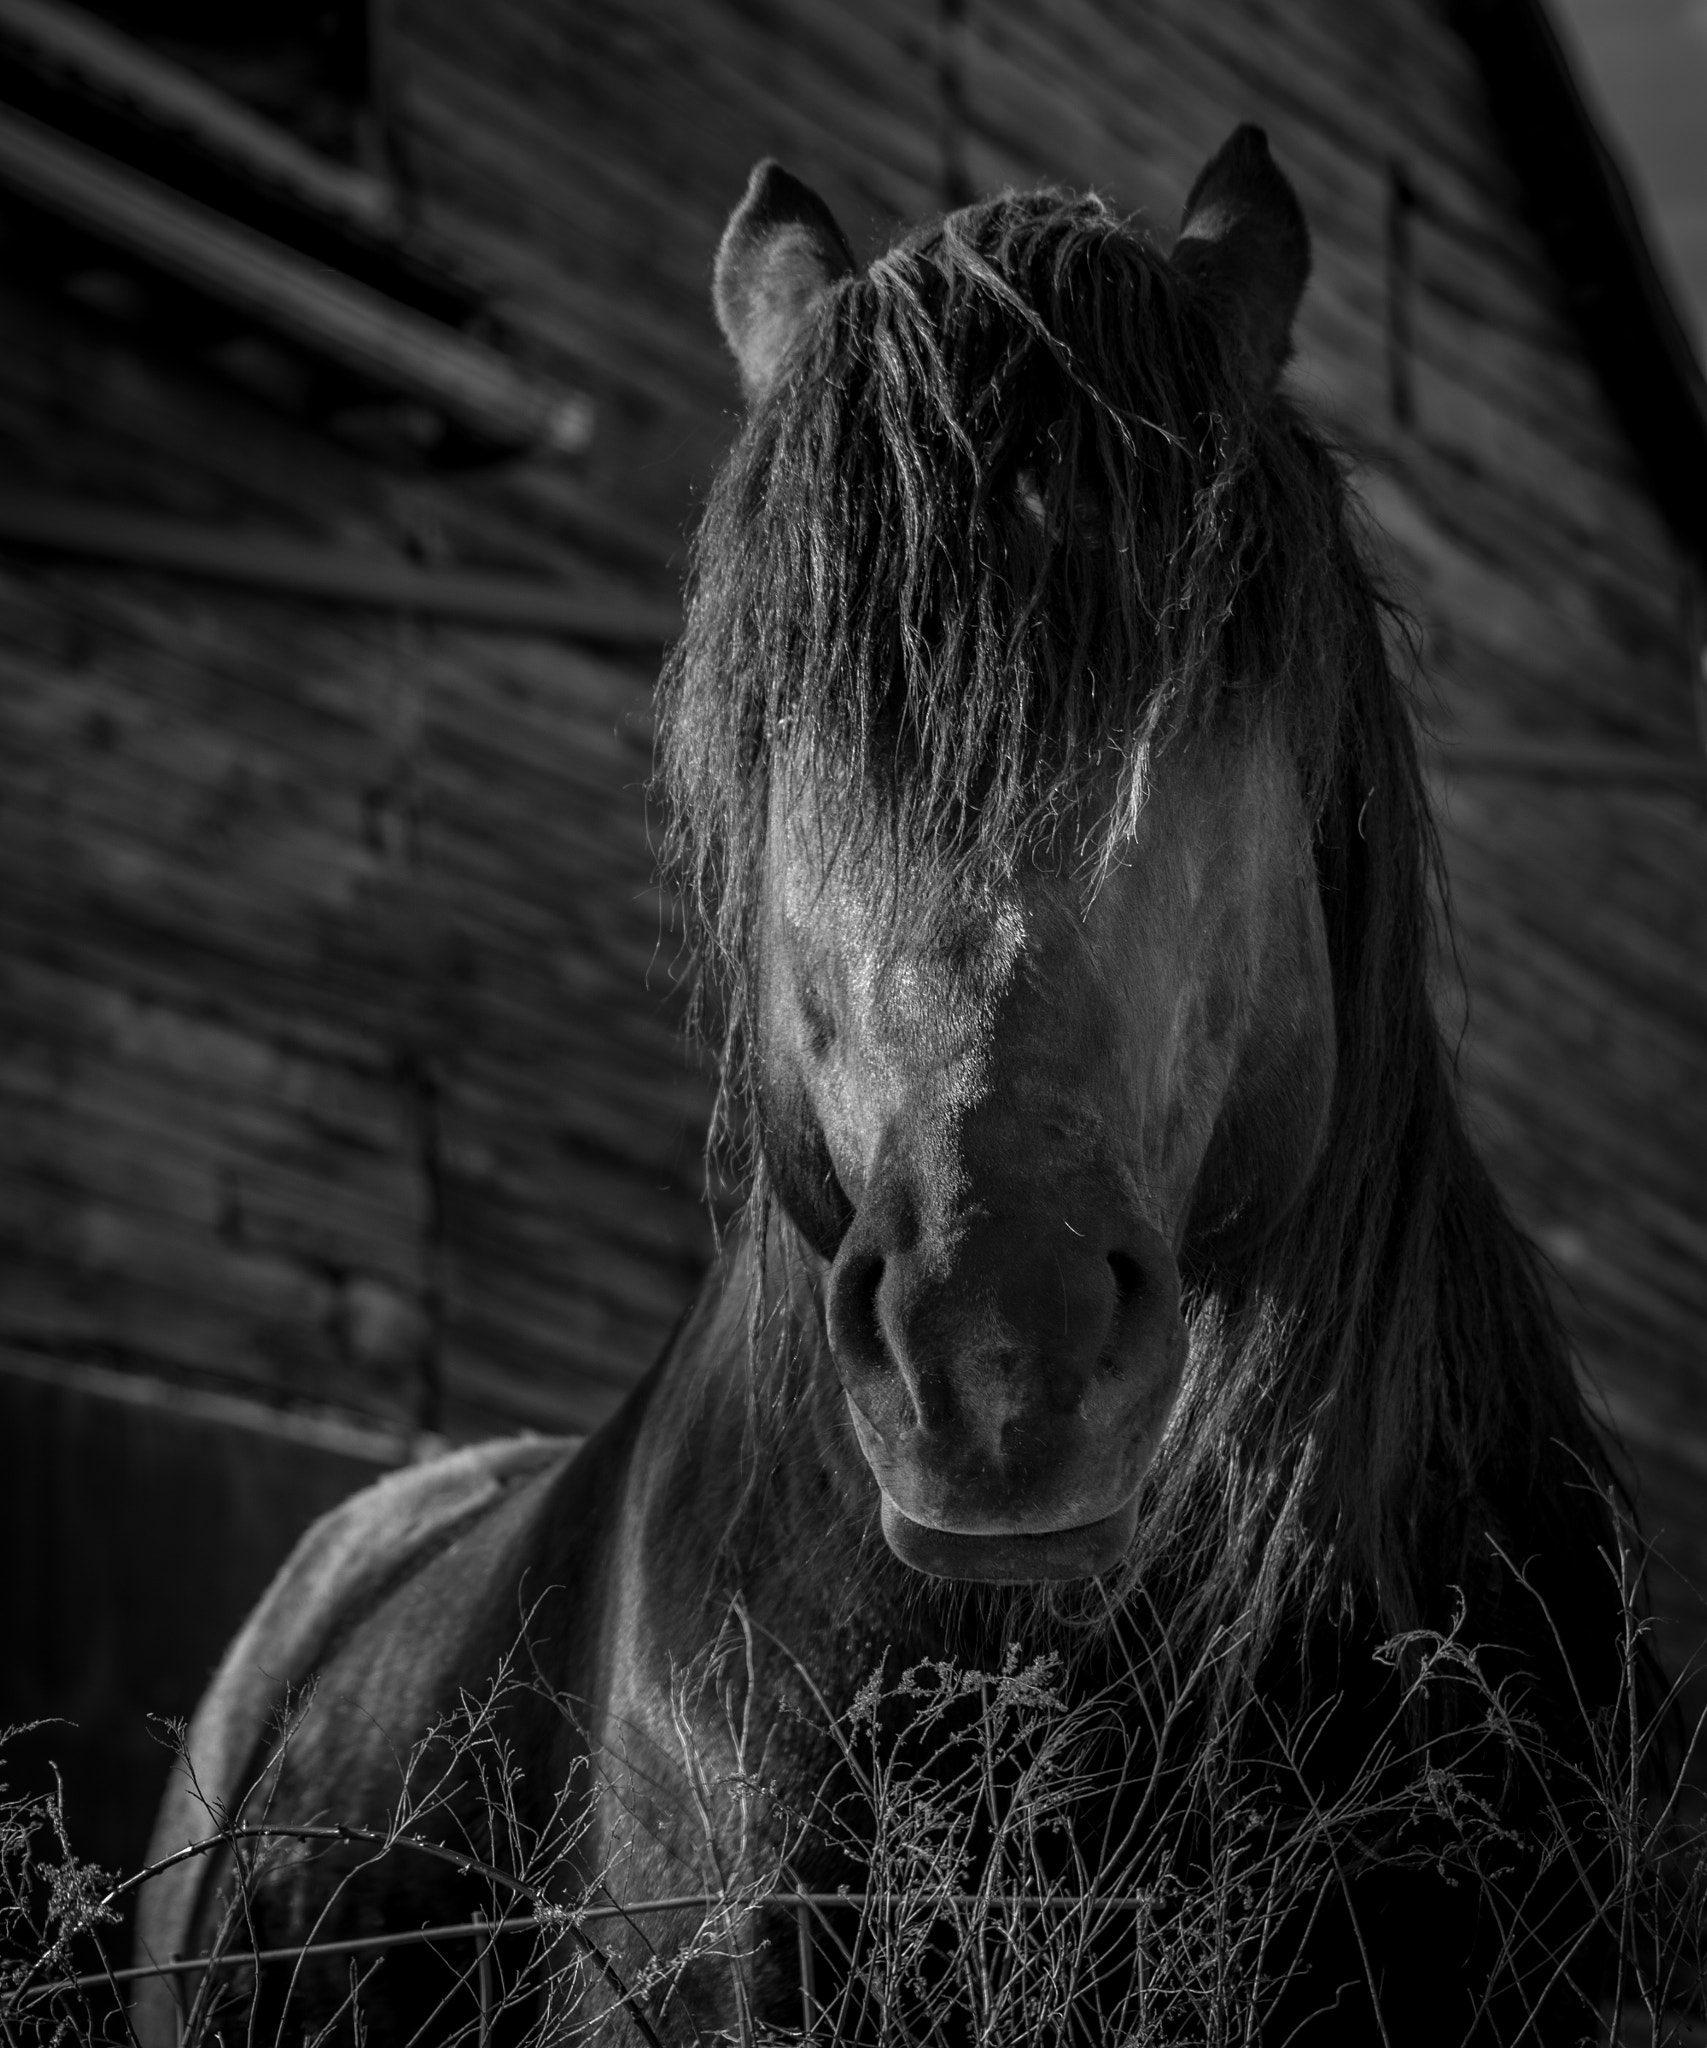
x,y
190,1092
1629,574
1547,656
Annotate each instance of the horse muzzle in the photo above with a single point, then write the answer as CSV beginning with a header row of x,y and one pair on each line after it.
x,y
1008,1390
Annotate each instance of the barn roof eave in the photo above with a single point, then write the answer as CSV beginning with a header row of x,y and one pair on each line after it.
x,y
1592,228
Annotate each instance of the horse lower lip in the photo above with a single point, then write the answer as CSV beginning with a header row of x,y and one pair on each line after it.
x,y
1024,1559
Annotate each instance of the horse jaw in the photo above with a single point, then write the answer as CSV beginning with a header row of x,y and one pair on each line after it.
x,y
1011,1103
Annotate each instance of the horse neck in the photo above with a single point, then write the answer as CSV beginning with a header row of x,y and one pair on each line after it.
x,y
742,1472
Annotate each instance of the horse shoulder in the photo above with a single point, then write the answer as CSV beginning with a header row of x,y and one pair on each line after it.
x,y
345,1566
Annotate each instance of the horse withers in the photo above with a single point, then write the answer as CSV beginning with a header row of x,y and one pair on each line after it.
x,y
1122,1348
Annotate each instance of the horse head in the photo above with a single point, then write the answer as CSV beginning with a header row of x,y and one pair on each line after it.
x,y
1035,993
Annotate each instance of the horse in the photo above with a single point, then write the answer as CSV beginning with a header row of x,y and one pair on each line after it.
x,y
1119,1324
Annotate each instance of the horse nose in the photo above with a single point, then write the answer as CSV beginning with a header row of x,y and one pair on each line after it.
x,y
1009,1323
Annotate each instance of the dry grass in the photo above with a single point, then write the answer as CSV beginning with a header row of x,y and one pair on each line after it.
x,y
1033,1872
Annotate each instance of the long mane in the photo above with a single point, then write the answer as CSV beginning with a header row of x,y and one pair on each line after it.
x,y
1013,518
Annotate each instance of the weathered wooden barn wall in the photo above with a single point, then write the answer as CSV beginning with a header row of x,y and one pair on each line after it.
x,y
338,1065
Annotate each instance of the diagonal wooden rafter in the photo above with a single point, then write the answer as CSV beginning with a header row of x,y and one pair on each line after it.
x,y
61,41
304,301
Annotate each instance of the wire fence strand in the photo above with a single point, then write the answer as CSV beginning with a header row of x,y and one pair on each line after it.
x,y
566,1919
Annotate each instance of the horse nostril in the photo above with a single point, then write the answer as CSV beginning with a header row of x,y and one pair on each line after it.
x,y
854,1331
1146,1331
1128,1277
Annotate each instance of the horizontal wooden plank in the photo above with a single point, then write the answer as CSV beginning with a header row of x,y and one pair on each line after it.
x,y
1595,763
281,565
1543,626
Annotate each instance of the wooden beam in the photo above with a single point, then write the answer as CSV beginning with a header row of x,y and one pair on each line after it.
x,y
279,565
344,1435
292,295
1593,231
60,41
1605,764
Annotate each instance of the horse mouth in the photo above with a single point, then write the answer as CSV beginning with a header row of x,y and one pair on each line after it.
x,y
1024,1558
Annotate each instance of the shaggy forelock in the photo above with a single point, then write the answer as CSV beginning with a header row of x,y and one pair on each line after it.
x,y
1012,518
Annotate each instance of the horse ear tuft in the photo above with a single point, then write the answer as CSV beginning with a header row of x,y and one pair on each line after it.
x,y
780,252
1244,238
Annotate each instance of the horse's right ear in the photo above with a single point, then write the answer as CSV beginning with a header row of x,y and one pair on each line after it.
x,y
1244,238
780,253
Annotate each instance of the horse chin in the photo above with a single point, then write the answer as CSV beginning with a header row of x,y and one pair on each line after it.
x,y
1023,1558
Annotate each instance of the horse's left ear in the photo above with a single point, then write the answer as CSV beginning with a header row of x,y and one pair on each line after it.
x,y
780,253
1243,237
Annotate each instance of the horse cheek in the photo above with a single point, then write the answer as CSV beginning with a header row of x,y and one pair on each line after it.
x,y
798,1165
1270,1132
